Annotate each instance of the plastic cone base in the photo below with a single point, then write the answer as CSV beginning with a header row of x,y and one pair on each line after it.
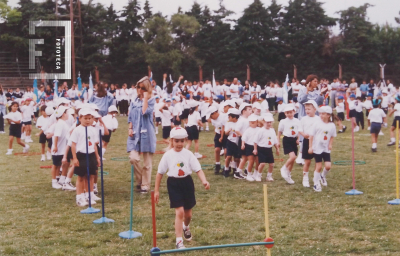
x,y
90,210
353,192
394,202
130,234
103,220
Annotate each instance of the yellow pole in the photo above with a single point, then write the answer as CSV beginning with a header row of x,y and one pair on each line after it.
x,y
266,216
397,159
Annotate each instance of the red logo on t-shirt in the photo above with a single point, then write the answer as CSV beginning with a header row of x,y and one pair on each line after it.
x,y
293,132
269,143
181,173
90,143
325,137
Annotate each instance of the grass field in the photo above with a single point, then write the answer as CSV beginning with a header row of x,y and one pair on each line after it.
x,y
38,220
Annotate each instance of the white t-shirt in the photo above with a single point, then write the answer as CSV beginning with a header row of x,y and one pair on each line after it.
x,y
367,104
235,88
207,89
250,136
219,122
296,88
307,123
385,101
110,122
177,111
266,138
322,133
352,104
41,122
132,93
26,113
123,94
218,90
61,131
289,127
278,91
396,109
256,89
178,164
264,107
226,89
157,107
14,116
203,108
166,116
340,107
193,119
232,136
196,89
376,115
78,136
281,107
242,124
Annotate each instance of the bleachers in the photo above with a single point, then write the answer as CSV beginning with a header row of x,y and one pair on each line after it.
x,y
14,74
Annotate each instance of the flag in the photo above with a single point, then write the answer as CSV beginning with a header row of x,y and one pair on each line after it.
x,y
285,90
55,82
213,81
79,82
35,90
90,81
170,79
151,76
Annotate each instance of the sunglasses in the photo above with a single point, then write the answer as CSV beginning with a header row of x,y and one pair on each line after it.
x,y
142,88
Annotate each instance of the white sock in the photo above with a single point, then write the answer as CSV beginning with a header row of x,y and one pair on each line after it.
x,y
325,172
91,194
43,155
373,145
269,174
392,140
305,175
57,177
78,197
156,128
184,226
233,164
53,180
226,168
179,239
67,180
62,179
103,151
317,177
86,194
239,170
217,163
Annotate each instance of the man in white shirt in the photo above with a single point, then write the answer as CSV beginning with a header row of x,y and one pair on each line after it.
x,y
207,89
234,89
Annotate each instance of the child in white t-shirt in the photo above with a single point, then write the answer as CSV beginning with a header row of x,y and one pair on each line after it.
x,y
367,104
42,122
177,110
27,110
289,128
396,112
180,163
340,113
194,121
248,141
377,117
157,113
321,140
265,140
218,120
112,125
166,117
281,109
14,118
232,148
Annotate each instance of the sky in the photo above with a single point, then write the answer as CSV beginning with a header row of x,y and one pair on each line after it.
x,y
383,11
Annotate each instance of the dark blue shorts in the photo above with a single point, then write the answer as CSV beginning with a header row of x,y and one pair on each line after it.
x,y
193,132
15,130
323,156
376,128
265,155
232,149
396,118
218,144
181,192
289,145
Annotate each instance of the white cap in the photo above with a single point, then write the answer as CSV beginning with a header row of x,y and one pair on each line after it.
x,y
253,118
93,106
194,104
78,104
312,102
256,105
178,133
243,106
112,108
230,103
50,104
71,111
268,118
233,111
96,115
62,101
385,91
303,81
60,111
239,101
210,110
289,107
85,111
49,111
325,109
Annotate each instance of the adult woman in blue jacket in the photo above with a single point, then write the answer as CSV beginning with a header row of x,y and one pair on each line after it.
x,y
142,138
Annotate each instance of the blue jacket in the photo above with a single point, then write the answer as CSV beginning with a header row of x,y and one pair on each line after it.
x,y
144,138
303,97
103,103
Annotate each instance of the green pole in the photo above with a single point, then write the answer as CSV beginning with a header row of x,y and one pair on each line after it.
x,y
130,225
211,247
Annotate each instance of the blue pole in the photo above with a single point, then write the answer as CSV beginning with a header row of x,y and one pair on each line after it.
x,y
130,224
209,247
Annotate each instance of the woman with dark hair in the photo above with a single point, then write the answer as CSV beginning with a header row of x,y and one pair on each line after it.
x,y
246,91
3,102
102,99
142,138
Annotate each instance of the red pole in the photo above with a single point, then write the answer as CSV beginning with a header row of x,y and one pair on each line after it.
x,y
347,107
153,214
352,152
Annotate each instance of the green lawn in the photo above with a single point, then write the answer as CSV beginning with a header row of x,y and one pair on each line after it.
x,y
38,220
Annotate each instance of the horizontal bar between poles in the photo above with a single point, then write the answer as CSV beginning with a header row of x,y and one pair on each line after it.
x,y
212,247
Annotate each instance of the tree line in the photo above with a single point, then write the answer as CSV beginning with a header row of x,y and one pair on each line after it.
x,y
270,39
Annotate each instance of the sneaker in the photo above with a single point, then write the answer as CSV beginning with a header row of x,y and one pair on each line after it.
x,y
43,158
369,128
289,179
323,181
95,190
23,136
95,198
250,177
48,155
381,133
91,200
238,175
306,182
317,188
217,169
103,159
198,155
68,186
144,191
222,152
245,172
284,172
299,160
226,173
56,185
391,143
344,128
269,178
9,152
257,176
180,245
26,149
29,140
340,131
81,202
373,150
187,234
2,132
207,129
